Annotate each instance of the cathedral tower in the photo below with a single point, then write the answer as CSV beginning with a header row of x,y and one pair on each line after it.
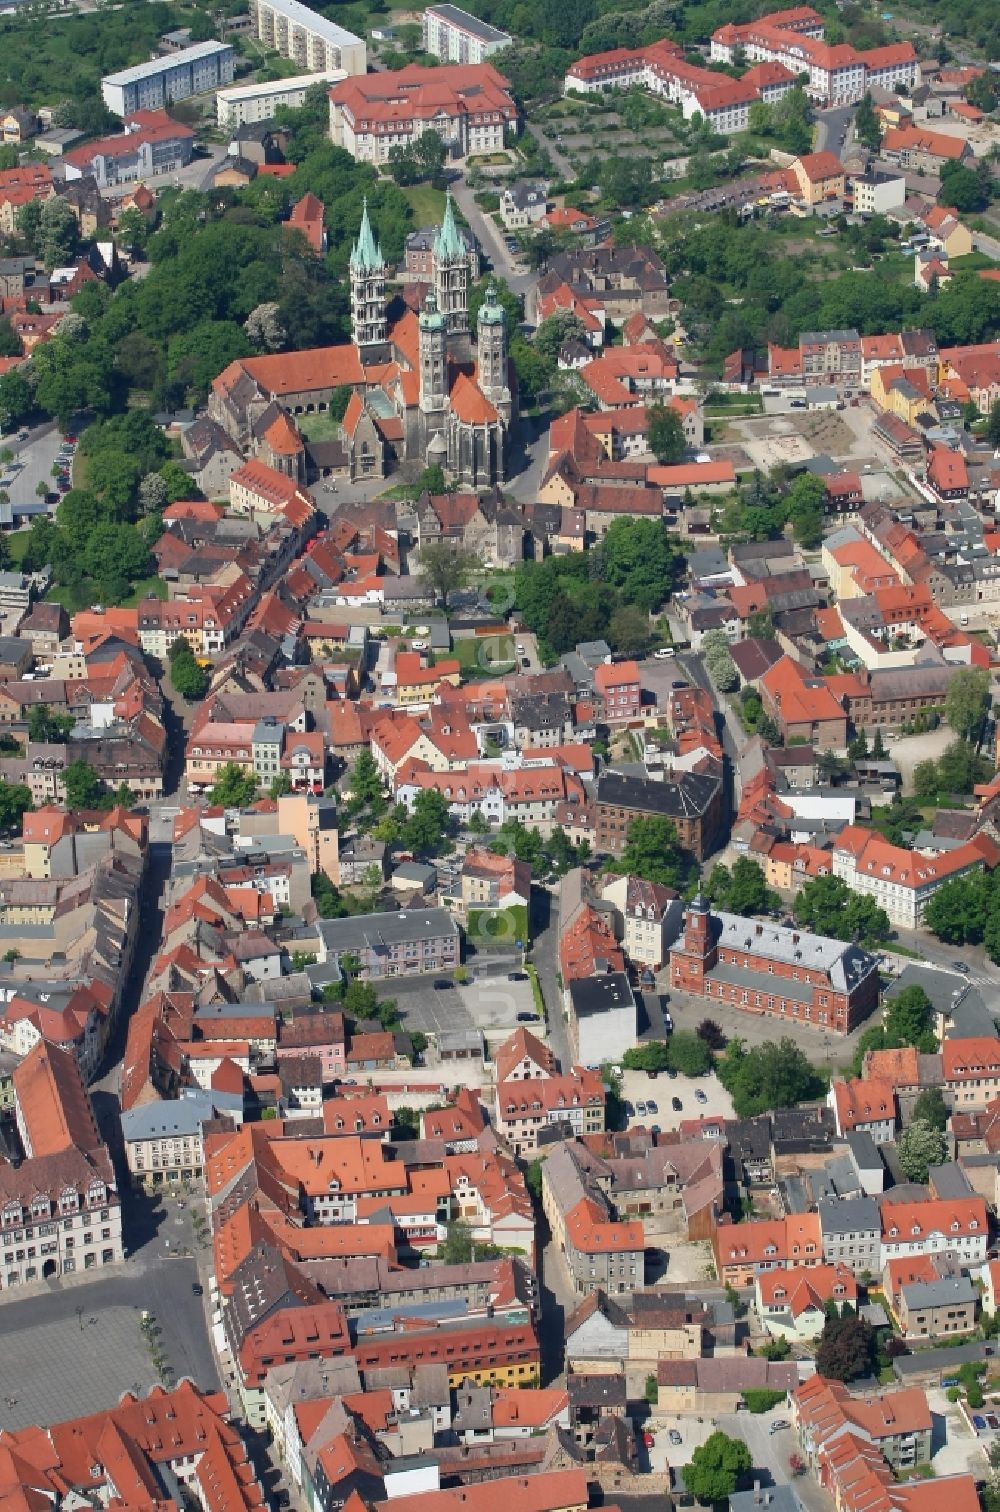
x,y
491,347
369,326
450,260
433,357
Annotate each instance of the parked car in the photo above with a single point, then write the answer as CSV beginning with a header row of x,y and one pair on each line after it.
x,y
779,1425
648,1439
442,984
524,1018
640,1110
679,682
665,653
675,1437
700,1096
517,976
629,1110
197,1288
651,1107
676,1104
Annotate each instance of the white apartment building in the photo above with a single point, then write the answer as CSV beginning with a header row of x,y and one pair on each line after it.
x,y
900,881
877,193
176,76
245,104
454,36
295,31
958,1226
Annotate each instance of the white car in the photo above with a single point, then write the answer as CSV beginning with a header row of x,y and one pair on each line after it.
x,y
520,649
418,645
665,653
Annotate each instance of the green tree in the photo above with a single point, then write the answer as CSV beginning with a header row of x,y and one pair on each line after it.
x,y
366,783
920,1146
640,560
58,232
761,1399
846,1349
740,890
427,826
555,331
931,1109
804,502
909,1019
45,727
84,789
689,1054
828,906
958,911
652,852
447,566
628,630
773,1075
665,434
717,1468
654,1056
188,677
234,786
867,127
15,801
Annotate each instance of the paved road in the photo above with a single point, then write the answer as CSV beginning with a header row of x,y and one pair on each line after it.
x,y
491,240
771,1452
544,954
833,129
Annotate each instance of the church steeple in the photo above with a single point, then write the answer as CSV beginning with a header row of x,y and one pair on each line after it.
x,y
450,259
491,351
433,355
368,313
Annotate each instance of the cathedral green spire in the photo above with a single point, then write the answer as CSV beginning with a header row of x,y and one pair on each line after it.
x,y
449,243
366,254
491,310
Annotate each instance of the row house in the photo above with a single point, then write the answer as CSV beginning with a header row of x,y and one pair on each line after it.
x,y
958,1226
745,1250
209,617
971,1071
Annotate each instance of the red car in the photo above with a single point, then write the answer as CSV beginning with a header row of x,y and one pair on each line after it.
x,y
648,1439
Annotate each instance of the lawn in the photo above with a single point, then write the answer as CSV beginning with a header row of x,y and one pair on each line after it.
x,y
485,655
145,588
501,927
18,540
320,426
427,204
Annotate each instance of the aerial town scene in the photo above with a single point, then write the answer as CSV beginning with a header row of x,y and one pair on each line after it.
x,y
499,775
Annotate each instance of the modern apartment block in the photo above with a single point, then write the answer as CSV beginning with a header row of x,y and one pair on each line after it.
x,y
245,104
296,32
454,36
152,85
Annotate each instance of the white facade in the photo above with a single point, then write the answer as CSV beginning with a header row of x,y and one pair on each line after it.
x,y
878,193
247,103
455,36
153,85
296,32
74,1226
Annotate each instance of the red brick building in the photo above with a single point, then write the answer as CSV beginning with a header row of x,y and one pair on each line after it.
x,y
768,970
617,685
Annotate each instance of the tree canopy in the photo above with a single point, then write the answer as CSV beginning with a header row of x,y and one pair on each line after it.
x,y
717,1468
773,1075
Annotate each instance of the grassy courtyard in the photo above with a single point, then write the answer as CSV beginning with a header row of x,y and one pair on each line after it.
x,y
484,655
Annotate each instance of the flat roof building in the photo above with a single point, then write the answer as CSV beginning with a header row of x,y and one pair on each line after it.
x,y
454,36
245,104
295,31
152,85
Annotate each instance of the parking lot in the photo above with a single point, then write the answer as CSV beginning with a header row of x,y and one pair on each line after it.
x,y
491,1003
34,458
638,1090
